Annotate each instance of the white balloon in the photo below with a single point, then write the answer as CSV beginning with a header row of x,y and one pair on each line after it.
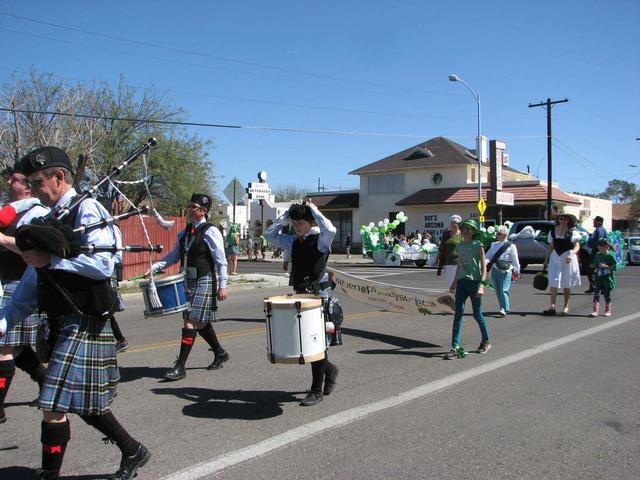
x,y
371,225
380,223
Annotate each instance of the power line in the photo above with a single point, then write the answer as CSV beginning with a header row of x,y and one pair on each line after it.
x,y
199,65
237,127
218,57
251,100
211,125
567,147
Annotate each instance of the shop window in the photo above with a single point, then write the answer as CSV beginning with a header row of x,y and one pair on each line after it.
x,y
385,184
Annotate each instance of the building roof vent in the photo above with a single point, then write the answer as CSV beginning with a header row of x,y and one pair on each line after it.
x,y
419,152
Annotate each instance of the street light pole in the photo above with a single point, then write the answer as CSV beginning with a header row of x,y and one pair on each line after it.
x,y
476,96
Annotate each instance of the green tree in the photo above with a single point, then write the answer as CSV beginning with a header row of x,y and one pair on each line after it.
x,y
97,142
620,191
634,209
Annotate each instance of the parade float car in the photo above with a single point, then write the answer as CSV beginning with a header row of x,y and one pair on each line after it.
x,y
633,254
530,238
397,258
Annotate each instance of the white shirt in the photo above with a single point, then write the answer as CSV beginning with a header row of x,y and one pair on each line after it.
x,y
213,240
510,255
96,266
327,232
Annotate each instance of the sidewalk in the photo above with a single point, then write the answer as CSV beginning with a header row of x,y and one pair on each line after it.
x,y
336,258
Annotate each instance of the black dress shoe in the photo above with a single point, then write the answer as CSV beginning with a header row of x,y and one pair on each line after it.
x,y
330,381
129,465
49,475
122,346
312,399
219,360
3,417
176,373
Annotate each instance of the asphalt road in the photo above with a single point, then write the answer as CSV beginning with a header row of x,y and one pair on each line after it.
x,y
556,397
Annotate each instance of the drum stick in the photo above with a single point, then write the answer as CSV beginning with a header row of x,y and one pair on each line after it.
x,y
142,275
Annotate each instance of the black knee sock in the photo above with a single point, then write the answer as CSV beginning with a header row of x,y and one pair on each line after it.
x,y
29,362
117,333
54,438
209,335
317,374
7,371
111,428
188,337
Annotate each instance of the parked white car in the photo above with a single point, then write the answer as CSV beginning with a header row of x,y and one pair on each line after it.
x,y
633,256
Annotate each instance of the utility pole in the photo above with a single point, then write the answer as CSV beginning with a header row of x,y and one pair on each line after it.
x,y
549,103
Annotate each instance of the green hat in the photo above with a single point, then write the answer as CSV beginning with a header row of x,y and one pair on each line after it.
x,y
471,224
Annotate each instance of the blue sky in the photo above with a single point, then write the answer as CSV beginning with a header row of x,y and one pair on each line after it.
x,y
361,67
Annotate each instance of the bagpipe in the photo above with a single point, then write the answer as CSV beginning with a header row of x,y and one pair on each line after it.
x,y
50,234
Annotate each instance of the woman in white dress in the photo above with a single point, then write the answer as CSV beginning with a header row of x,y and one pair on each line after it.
x,y
562,259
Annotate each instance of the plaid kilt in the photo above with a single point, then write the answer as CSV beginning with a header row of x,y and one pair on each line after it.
x,y
202,300
25,332
116,289
83,371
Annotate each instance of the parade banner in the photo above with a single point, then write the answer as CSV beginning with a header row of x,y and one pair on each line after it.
x,y
393,298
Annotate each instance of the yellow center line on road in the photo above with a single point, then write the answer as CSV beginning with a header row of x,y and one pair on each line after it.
x,y
240,333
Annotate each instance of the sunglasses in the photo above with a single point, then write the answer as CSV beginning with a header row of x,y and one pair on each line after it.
x,y
38,182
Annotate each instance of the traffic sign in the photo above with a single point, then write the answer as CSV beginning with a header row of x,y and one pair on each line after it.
x,y
481,219
482,206
234,191
258,191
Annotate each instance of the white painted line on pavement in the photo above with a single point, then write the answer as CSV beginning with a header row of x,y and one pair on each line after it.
x,y
264,447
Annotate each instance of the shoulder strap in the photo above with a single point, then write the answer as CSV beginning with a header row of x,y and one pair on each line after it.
x,y
497,255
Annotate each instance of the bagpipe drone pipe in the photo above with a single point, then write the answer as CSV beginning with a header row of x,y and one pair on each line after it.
x,y
51,235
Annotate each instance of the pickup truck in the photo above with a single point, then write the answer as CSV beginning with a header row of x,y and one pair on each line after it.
x,y
531,250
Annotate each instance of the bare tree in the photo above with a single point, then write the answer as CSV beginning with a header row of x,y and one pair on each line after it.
x,y
285,193
107,123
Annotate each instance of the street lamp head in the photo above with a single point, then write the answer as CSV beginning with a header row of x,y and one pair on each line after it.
x,y
453,77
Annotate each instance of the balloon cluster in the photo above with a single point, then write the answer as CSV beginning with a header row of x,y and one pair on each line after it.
x,y
486,236
370,234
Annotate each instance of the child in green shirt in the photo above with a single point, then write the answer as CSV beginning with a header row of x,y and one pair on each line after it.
x,y
470,275
604,279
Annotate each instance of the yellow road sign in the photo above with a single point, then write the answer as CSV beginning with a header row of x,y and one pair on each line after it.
x,y
481,218
482,206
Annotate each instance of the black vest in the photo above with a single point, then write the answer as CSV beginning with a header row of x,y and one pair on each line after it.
x,y
562,244
11,264
72,291
198,255
307,262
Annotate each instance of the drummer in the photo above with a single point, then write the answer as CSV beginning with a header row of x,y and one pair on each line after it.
x,y
200,251
308,251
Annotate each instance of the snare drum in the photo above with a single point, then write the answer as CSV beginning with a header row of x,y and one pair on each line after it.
x,y
295,329
171,293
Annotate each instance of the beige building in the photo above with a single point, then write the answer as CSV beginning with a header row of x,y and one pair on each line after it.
x,y
435,179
